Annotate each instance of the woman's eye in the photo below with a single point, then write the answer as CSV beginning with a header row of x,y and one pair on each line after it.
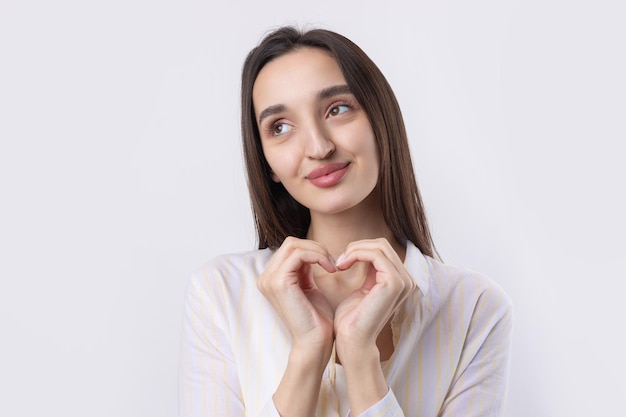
x,y
337,110
280,128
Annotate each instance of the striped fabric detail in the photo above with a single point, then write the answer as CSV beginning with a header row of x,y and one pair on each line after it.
x,y
452,343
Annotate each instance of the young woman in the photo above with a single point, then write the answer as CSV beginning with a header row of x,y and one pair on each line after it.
x,y
343,309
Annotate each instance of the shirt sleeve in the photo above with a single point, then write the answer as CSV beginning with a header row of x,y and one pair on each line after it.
x,y
480,385
387,407
208,379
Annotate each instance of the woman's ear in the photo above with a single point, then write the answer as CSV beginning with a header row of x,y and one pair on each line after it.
x,y
274,177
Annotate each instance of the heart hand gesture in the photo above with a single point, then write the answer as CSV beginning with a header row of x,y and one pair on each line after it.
x,y
360,317
288,284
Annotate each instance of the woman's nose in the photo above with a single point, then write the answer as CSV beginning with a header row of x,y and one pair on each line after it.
x,y
318,143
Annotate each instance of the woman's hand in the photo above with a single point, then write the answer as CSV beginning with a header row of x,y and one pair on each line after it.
x,y
360,318
288,284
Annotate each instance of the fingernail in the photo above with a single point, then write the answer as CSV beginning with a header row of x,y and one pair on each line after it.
x,y
331,259
340,258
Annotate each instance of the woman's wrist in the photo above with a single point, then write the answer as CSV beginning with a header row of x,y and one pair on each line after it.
x,y
364,376
356,351
311,359
298,390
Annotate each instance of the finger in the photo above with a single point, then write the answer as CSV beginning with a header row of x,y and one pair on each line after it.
x,y
295,270
292,244
381,245
375,257
386,271
301,256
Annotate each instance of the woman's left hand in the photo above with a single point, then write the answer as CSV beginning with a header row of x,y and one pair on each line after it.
x,y
360,317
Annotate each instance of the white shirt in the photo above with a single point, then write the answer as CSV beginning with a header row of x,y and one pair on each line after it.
x,y
451,345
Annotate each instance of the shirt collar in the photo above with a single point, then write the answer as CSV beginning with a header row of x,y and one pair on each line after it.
x,y
417,266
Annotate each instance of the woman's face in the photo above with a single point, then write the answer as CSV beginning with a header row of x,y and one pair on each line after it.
x,y
315,136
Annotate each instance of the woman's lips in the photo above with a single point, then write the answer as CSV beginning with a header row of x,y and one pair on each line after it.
x,y
329,174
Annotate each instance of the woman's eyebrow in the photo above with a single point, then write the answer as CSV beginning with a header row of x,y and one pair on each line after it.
x,y
335,90
328,92
270,111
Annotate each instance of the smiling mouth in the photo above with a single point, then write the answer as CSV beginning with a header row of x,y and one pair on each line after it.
x,y
329,174
326,170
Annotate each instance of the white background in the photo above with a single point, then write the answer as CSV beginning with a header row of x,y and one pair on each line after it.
x,y
121,173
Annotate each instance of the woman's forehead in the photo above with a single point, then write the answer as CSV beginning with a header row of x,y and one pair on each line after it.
x,y
303,72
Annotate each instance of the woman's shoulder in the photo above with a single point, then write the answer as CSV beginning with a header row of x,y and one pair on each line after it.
x,y
476,290
253,259
460,297
442,283
455,275
232,269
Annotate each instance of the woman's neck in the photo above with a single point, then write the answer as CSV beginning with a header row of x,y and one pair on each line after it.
x,y
336,231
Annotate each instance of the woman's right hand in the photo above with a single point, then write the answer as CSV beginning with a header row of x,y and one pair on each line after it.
x,y
288,284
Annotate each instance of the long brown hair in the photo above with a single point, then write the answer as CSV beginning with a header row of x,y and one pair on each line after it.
x,y
277,214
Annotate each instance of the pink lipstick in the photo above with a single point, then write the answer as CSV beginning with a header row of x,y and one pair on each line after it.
x,y
329,174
